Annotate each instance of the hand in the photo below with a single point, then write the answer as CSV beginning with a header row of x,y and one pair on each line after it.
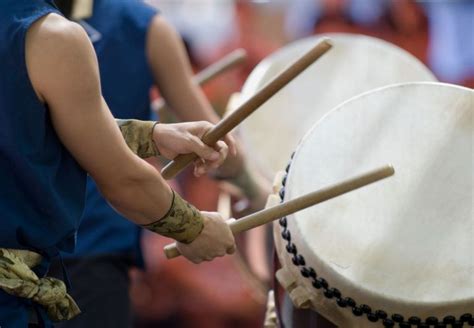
x,y
184,138
233,164
216,239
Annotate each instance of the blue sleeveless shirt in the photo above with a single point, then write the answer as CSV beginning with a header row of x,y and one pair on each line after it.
x,y
118,31
41,185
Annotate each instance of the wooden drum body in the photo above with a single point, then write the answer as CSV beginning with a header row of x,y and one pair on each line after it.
x,y
399,253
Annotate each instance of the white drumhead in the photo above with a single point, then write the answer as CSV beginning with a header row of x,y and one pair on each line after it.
x,y
354,65
404,245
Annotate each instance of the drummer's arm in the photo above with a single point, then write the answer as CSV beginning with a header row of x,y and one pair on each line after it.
x,y
64,73
173,75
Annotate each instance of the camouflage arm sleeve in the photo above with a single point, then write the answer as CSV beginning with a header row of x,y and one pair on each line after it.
x,y
138,136
183,222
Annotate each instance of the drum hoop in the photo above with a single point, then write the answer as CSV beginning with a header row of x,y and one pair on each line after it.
x,y
249,86
333,293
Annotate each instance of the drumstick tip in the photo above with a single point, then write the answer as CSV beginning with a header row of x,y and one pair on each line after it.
x,y
390,169
326,40
241,53
171,251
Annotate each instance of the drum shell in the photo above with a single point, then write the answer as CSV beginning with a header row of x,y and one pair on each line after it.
x,y
422,308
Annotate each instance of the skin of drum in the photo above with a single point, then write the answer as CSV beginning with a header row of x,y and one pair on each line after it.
x,y
400,251
355,64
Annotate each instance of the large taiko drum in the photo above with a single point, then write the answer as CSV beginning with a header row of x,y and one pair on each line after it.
x,y
355,64
398,253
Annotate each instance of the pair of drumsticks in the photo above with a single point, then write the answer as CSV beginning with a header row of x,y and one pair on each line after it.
x,y
242,112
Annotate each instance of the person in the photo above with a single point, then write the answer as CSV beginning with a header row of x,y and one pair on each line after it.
x,y
449,55
133,42
55,127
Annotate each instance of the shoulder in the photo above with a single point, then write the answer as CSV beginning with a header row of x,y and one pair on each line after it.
x,y
160,28
54,30
55,49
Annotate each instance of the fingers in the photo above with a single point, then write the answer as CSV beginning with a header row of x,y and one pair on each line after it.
x,y
184,138
231,249
231,143
201,149
216,240
203,165
214,215
223,150
199,129
199,167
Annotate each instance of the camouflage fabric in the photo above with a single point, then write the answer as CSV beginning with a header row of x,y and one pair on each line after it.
x,y
138,136
183,222
17,279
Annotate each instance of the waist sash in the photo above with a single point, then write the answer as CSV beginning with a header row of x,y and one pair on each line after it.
x,y
17,279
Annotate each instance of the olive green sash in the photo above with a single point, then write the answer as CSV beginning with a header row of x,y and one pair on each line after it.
x,y
17,279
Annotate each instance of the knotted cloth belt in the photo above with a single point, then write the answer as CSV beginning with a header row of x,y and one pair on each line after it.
x,y
17,279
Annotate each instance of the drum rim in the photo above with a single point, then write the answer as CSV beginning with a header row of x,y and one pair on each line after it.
x,y
331,292
250,85
375,90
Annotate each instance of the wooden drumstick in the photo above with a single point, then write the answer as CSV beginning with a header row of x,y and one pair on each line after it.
x,y
227,62
273,213
237,116
232,59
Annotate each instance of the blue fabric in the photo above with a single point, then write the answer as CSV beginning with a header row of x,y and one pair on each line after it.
x,y
41,185
451,47
17,312
13,311
118,30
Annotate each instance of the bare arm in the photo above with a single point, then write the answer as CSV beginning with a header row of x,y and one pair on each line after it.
x,y
172,72
63,70
173,75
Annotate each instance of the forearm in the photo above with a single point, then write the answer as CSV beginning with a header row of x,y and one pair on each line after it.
x,y
189,102
152,204
136,190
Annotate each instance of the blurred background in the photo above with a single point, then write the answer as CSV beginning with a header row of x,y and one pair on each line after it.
x,y
224,293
